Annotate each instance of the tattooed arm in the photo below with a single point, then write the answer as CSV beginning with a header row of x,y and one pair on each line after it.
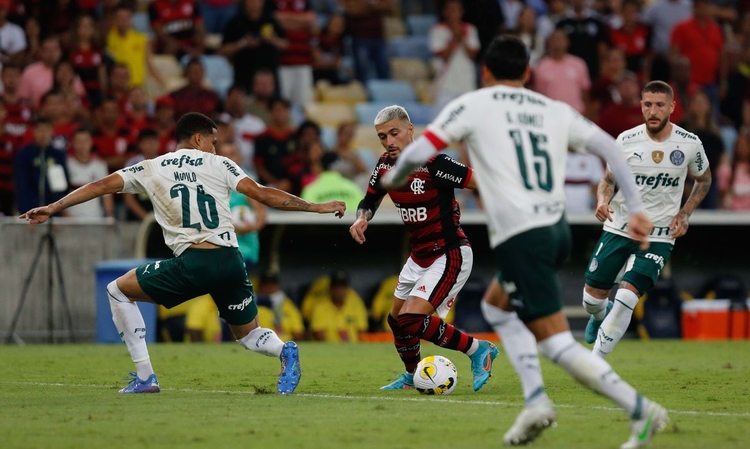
x,y
680,225
604,195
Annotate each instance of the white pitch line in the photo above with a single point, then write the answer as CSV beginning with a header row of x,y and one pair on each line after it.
x,y
386,398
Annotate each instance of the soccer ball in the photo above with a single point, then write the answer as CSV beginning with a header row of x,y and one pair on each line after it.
x,y
435,375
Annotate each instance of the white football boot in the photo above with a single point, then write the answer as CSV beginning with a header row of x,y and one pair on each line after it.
x,y
642,430
530,423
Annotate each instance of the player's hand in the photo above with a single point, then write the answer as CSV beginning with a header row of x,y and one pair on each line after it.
x,y
37,215
603,212
679,225
639,228
337,207
357,230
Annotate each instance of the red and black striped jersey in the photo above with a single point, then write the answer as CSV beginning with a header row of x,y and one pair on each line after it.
x,y
178,19
426,204
7,153
86,63
299,51
17,120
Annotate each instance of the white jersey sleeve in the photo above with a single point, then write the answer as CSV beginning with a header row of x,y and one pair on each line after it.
x,y
580,129
132,177
451,124
699,164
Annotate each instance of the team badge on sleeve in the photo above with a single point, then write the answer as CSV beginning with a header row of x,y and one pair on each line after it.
x,y
677,157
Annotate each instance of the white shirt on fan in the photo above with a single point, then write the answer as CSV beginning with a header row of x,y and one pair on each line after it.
x,y
189,190
80,174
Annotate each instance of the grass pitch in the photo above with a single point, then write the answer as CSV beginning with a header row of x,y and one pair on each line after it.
x,y
222,396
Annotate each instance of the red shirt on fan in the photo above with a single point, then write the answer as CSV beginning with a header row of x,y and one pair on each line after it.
x,y
110,143
299,51
177,18
17,121
702,44
635,45
86,64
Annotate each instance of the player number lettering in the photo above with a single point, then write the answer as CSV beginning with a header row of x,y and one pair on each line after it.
x,y
539,157
206,207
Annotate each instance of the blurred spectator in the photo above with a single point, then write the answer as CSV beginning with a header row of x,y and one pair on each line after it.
x,y
83,168
252,41
224,133
734,177
105,14
62,118
556,12
263,90
604,90
12,37
88,61
295,64
195,97
178,26
8,150
700,39
328,52
77,105
487,18
165,124
119,85
511,10
33,32
528,31
277,161
662,16
737,94
312,156
131,48
699,120
307,132
217,14
330,185
139,205
583,171
112,139
455,45
340,316
627,114
562,76
137,117
39,170
38,77
17,110
682,86
633,37
275,309
248,215
247,127
588,36
344,158
60,17
364,23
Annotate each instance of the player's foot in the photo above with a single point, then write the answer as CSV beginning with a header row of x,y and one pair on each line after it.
x,y
403,381
530,423
592,328
290,370
136,385
653,420
481,363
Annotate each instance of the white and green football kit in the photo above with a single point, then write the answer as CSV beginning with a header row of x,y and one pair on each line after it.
x,y
659,170
189,190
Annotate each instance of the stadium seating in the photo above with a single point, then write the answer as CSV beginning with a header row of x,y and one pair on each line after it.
x,y
409,69
394,27
366,138
142,23
420,114
329,114
328,136
425,91
419,25
367,111
351,93
397,91
410,47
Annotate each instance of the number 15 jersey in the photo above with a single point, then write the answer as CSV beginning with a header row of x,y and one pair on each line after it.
x,y
189,190
518,142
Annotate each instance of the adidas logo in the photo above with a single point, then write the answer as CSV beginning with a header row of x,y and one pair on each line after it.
x,y
422,289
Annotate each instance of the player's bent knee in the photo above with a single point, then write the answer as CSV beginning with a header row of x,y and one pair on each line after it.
x,y
114,293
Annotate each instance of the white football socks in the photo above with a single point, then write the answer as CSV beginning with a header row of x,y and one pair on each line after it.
x,y
616,323
263,341
520,348
591,371
595,306
129,323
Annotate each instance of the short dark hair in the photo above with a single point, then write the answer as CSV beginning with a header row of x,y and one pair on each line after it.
x,y
273,101
82,130
147,133
42,120
658,87
507,58
11,66
238,87
193,123
50,93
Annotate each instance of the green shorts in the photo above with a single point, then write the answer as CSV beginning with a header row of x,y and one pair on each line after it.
x,y
219,272
528,264
615,251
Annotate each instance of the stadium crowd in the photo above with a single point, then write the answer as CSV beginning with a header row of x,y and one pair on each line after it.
x,y
94,86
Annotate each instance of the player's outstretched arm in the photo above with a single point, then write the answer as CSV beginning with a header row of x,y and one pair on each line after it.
x,y
604,194
279,199
680,223
112,183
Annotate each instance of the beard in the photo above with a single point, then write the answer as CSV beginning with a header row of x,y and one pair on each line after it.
x,y
658,128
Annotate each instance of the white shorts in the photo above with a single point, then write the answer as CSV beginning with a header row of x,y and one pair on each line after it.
x,y
440,282
296,83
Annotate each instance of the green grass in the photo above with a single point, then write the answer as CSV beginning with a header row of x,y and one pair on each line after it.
x,y
222,396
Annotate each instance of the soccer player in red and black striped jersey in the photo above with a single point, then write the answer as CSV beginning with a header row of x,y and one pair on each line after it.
x,y
441,258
